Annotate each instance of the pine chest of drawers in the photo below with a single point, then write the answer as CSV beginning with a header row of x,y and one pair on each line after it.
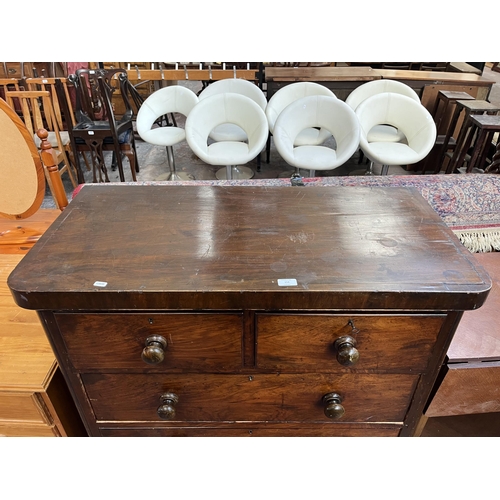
x,y
249,311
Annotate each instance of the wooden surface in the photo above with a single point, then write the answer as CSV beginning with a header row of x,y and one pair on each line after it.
x,y
20,330
340,244
434,76
478,336
34,399
467,388
241,350
321,74
471,382
19,236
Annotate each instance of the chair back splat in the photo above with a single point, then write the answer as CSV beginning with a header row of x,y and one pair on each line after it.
x,y
97,127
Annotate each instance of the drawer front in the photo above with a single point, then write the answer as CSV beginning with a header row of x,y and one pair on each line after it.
x,y
268,397
22,407
196,342
26,430
315,430
307,342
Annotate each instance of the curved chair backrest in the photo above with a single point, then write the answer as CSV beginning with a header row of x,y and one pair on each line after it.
x,y
226,108
326,112
235,86
359,94
22,181
290,93
171,99
406,115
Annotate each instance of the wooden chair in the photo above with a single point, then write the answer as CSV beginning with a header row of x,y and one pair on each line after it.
x,y
8,84
22,178
49,84
37,113
96,128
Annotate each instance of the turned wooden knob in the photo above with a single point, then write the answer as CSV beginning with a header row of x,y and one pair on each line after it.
x,y
154,352
347,354
167,409
333,408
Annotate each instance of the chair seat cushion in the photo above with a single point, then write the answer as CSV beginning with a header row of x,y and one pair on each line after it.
x,y
228,132
311,137
164,136
314,157
228,153
392,153
124,138
385,133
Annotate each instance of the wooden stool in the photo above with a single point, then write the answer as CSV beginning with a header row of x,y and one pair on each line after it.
x,y
484,127
464,140
440,114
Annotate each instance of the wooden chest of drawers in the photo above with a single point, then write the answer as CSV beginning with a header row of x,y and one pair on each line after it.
x,y
247,311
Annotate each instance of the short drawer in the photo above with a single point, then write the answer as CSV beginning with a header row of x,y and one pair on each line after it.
x,y
196,342
307,342
256,398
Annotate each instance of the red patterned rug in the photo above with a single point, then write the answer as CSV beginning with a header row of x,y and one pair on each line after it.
x,y
468,204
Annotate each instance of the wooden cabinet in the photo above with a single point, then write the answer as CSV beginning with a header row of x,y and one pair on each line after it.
x,y
240,311
34,398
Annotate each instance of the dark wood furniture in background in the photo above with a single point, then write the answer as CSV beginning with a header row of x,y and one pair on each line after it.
x,y
233,311
96,128
342,80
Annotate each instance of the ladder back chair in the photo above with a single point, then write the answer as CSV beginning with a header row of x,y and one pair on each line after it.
x,y
37,113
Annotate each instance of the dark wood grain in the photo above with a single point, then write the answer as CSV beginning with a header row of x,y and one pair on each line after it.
x,y
256,430
197,342
199,268
260,397
306,342
365,248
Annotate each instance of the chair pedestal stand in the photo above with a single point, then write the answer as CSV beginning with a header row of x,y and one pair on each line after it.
x,y
234,172
173,175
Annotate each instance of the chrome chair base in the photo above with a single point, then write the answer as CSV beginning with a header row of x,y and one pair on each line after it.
x,y
236,173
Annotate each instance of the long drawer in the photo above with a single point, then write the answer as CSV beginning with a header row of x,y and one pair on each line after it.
x,y
307,342
198,342
258,430
232,398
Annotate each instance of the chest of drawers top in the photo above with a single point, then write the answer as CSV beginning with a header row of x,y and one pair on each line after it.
x,y
217,247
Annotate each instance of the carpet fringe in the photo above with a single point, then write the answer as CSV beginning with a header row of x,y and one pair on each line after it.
x,y
480,240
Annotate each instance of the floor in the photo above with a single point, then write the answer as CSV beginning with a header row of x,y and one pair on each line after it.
x,y
154,166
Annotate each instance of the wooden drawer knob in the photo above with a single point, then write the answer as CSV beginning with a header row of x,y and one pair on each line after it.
x,y
154,352
333,408
167,409
347,354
